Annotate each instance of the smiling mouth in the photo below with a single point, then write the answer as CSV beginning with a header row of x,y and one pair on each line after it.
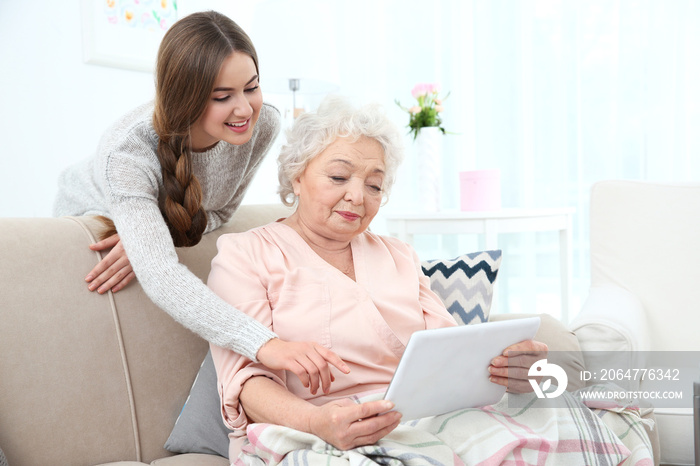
x,y
239,127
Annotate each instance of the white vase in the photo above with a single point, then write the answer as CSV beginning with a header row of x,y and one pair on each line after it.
x,y
428,150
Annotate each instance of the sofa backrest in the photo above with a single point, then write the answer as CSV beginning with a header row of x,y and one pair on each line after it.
x,y
88,378
644,238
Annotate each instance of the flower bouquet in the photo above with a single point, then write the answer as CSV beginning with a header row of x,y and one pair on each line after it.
x,y
427,112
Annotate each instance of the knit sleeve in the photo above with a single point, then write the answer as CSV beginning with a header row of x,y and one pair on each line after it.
x,y
132,194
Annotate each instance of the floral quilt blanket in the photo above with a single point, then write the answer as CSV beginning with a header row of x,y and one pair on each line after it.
x,y
518,430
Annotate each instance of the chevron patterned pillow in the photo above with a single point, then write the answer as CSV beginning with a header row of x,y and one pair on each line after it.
x,y
465,284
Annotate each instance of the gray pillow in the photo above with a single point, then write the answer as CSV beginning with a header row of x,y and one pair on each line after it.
x,y
200,428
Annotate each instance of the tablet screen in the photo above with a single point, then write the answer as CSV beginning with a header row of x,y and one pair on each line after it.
x,y
446,369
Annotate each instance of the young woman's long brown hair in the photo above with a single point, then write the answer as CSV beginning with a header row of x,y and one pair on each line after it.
x,y
189,59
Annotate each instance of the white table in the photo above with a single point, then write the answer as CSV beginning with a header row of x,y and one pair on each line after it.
x,y
491,224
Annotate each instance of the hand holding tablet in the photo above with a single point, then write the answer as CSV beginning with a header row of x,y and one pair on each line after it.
x,y
446,369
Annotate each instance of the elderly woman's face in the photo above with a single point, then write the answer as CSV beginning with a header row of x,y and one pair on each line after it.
x,y
341,189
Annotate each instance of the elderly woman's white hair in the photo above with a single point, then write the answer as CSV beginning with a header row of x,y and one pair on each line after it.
x,y
336,117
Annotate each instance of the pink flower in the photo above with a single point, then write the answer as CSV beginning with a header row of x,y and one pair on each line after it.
x,y
423,89
439,108
418,91
414,109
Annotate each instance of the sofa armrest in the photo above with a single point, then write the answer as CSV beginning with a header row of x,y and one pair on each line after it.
x,y
612,319
612,331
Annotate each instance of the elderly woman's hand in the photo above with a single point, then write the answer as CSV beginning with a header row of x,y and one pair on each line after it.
x,y
511,368
346,424
307,360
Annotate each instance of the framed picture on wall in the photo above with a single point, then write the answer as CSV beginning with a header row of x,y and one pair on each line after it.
x,y
125,33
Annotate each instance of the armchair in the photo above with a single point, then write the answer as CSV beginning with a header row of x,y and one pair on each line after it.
x,y
645,286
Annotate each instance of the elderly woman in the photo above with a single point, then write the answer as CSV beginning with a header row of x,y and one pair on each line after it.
x,y
321,275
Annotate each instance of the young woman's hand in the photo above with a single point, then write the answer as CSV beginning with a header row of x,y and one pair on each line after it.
x,y
307,360
510,369
114,271
346,424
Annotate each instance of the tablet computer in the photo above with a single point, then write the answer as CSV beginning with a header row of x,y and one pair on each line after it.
x,y
446,369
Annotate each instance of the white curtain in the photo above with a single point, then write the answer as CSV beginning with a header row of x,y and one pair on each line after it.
x,y
557,94
566,93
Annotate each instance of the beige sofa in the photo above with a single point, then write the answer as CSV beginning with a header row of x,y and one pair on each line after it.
x,y
90,379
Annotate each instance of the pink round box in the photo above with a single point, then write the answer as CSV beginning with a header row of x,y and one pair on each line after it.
x,y
480,190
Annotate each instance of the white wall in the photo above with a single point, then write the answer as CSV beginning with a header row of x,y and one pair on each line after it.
x,y
54,107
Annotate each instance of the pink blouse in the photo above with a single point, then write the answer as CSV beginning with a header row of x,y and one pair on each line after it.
x,y
271,274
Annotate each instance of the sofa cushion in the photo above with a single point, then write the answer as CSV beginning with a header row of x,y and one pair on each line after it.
x,y
464,284
192,459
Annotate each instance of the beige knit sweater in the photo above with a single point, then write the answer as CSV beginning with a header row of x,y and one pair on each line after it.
x,y
123,181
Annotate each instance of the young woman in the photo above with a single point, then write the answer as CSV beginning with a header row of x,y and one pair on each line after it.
x,y
174,169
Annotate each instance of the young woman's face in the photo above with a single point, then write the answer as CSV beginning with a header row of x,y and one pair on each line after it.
x,y
234,105
340,190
